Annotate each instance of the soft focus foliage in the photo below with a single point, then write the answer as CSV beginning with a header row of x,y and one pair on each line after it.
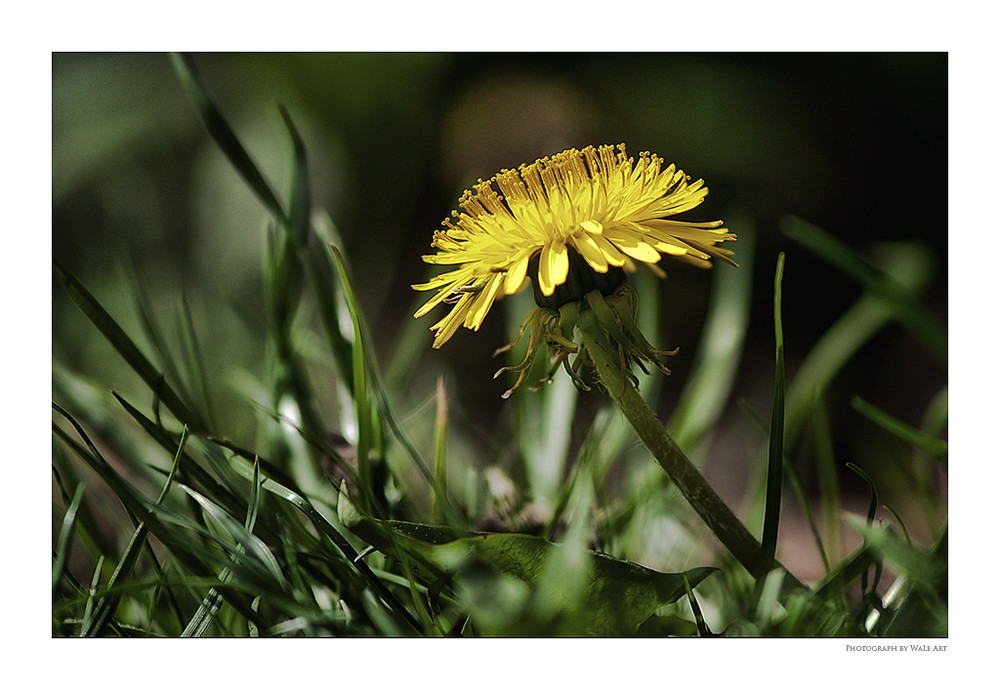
x,y
321,423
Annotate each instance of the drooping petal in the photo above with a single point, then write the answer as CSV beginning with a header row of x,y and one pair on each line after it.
x,y
553,266
588,248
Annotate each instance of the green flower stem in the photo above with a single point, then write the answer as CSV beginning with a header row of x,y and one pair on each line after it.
x,y
692,485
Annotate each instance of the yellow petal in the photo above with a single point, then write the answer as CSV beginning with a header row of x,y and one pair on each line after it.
x,y
611,253
553,266
590,251
633,244
516,274
483,302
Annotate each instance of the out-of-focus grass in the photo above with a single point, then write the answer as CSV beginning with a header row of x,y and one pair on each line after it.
x,y
352,506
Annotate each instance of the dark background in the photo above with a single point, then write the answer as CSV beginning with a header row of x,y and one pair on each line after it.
x,y
853,143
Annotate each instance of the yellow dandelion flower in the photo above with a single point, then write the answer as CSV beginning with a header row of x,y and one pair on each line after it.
x,y
566,224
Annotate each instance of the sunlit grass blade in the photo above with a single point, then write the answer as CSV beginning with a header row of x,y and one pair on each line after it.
x,y
125,346
223,134
341,543
904,307
775,445
934,447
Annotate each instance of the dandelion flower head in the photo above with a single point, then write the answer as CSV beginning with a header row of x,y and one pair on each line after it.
x,y
537,223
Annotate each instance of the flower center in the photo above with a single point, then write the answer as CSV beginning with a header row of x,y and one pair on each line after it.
x,y
580,280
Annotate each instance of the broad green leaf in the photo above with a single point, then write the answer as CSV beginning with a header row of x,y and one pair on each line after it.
x,y
619,595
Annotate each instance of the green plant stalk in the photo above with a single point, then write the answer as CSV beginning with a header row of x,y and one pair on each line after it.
x,y
692,485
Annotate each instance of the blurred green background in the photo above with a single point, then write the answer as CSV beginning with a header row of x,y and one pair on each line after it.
x,y
855,144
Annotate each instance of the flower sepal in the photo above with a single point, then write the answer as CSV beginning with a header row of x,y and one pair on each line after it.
x,y
607,321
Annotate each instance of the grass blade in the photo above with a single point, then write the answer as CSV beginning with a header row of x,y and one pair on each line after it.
x,y
118,339
934,447
223,134
775,447
924,325
65,532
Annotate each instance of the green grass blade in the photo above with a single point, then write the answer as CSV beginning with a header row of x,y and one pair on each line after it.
x,y
775,446
934,447
326,291
301,201
223,134
118,339
924,325
65,534
333,534
126,564
843,339
363,411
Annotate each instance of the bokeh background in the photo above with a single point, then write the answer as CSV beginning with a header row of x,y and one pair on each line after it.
x,y
853,143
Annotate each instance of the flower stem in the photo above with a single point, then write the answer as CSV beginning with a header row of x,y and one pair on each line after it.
x,y
692,485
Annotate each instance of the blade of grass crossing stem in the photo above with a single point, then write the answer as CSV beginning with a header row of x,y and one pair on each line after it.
x,y
934,447
789,474
120,341
924,325
775,446
65,534
223,134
